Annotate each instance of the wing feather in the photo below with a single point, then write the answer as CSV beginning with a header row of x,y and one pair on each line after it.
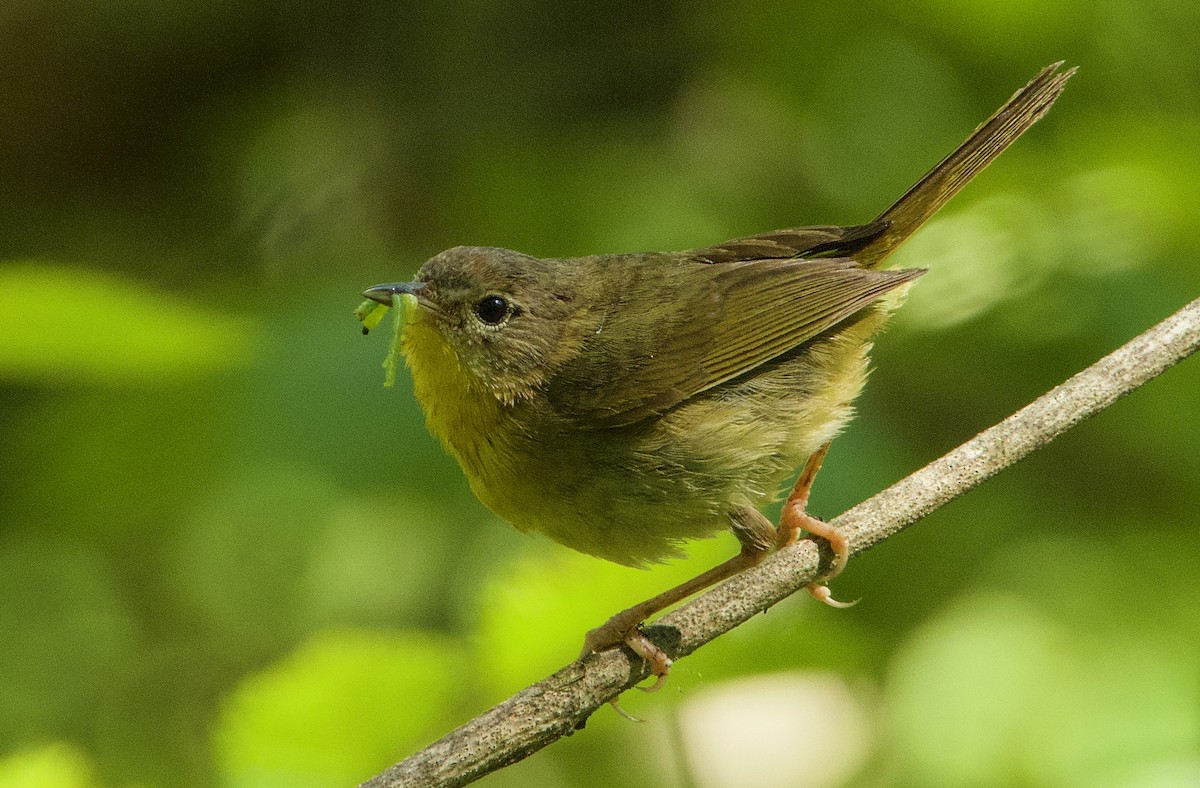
x,y
825,240
681,326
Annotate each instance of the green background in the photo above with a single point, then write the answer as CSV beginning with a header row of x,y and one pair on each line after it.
x,y
229,556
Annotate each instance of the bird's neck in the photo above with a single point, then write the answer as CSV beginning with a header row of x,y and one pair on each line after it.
x,y
458,409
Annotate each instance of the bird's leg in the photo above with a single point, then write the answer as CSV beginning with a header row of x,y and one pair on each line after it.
x,y
794,519
756,534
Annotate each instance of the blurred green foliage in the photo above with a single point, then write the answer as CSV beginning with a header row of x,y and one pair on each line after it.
x,y
229,557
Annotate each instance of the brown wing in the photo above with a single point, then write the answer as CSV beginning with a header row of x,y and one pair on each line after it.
x,y
807,242
680,327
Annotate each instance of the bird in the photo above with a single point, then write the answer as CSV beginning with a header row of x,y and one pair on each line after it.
x,y
625,404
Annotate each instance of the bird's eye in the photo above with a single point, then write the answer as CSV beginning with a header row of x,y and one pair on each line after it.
x,y
492,309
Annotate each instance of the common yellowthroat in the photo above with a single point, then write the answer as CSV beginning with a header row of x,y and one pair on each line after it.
x,y
623,404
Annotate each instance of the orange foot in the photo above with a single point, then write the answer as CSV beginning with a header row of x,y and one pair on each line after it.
x,y
795,519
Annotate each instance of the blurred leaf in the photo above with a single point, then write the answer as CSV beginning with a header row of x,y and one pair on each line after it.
x,y
345,705
51,766
75,324
979,258
1109,705
535,610
960,692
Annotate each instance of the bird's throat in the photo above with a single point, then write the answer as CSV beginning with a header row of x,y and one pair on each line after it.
x,y
458,409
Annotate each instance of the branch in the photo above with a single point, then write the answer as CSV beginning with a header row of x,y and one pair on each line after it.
x,y
558,705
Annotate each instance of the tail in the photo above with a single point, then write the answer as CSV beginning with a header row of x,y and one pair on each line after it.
x,y
988,141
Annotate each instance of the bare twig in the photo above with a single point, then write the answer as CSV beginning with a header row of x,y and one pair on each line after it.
x,y
558,705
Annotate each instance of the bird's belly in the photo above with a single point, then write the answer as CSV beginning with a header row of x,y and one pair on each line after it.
x,y
634,494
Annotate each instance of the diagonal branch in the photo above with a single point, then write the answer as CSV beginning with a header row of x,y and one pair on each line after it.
x,y
558,705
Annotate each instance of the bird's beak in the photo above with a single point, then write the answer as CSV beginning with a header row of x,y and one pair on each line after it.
x,y
383,293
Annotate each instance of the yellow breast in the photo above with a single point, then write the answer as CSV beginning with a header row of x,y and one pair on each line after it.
x,y
467,418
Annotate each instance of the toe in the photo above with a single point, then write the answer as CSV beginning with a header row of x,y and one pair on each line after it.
x,y
821,593
656,658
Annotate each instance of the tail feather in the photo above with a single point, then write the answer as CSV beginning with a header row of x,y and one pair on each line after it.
x,y
988,141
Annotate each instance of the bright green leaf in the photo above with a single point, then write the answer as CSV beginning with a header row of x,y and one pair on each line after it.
x,y
534,611
61,324
343,706
51,766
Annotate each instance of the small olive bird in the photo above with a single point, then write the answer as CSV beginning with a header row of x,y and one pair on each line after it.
x,y
622,404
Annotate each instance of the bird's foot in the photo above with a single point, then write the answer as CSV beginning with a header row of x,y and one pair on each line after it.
x,y
622,629
798,520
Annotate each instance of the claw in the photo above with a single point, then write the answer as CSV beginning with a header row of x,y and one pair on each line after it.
x,y
656,686
821,593
617,708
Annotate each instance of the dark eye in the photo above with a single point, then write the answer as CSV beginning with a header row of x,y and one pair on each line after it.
x,y
493,309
